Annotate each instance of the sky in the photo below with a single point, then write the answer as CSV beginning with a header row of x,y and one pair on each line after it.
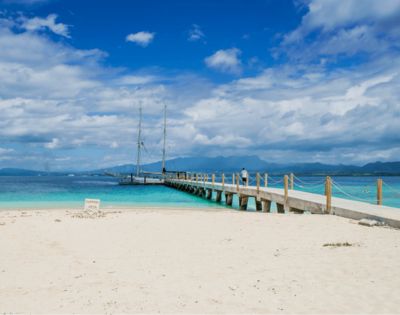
x,y
287,80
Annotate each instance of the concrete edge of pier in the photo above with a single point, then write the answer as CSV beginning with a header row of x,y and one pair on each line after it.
x,y
290,201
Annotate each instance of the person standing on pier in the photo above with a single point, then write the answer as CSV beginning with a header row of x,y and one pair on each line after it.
x,y
245,175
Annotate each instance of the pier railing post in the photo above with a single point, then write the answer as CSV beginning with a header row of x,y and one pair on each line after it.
x,y
266,180
291,181
248,179
223,180
237,182
258,182
197,178
328,193
286,189
233,179
379,194
213,179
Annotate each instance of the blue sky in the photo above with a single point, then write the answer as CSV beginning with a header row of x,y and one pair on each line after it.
x,y
287,80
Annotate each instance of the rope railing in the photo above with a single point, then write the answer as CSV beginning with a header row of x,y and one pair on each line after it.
x,y
275,181
341,189
321,182
367,193
397,191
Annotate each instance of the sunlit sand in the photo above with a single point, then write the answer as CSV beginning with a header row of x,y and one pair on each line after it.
x,y
195,261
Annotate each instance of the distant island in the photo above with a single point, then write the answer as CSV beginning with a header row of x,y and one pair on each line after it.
x,y
229,165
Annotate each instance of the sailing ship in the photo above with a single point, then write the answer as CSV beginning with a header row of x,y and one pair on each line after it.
x,y
147,178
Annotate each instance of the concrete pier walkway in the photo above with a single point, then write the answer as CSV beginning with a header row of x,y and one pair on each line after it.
x,y
289,200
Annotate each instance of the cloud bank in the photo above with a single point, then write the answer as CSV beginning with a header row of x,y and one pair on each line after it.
x,y
62,107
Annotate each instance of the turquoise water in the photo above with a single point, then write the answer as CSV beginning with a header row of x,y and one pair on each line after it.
x,y
63,191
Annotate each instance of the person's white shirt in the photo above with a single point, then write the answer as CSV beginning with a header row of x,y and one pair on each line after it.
x,y
244,173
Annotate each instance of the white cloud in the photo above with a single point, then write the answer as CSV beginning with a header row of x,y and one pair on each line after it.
x,y
5,151
53,144
195,33
225,61
141,38
329,15
49,23
136,79
307,112
331,28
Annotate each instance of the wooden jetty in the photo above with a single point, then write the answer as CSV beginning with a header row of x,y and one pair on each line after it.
x,y
286,199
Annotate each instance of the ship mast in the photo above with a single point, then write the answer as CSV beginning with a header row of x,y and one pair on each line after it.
x,y
165,138
139,141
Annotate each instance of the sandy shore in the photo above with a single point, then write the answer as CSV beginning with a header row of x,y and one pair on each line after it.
x,y
193,261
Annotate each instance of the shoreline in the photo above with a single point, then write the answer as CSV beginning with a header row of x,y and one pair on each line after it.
x,y
148,260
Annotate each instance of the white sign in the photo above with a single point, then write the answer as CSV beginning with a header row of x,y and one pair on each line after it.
x,y
92,204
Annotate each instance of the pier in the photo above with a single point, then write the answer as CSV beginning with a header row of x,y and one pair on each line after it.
x,y
287,199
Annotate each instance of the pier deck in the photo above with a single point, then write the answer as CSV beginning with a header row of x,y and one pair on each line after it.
x,y
292,201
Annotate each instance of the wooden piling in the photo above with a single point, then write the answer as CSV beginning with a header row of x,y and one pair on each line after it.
x,y
328,193
266,205
291,181
243,200
258,182
228,199
218,196
258,204
379,191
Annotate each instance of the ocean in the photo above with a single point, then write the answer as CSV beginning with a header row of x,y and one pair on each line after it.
x,y
24,192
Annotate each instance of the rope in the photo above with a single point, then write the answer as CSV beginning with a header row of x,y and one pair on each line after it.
x,y
310,186
309,183
270,179
391,188
337,186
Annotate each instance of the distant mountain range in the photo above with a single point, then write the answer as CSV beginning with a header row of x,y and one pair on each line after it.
x,y
232,164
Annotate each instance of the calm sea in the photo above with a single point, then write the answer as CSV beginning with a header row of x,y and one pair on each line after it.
x,y
63,191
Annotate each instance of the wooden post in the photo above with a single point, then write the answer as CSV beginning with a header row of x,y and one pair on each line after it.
x,y
228,199
258,182
243,200
218,196
233,179
248,179
213,179
258,204
266,180
223,180
328,193
291,181
237,182
266,205
286,187
197,178
379,195
206,178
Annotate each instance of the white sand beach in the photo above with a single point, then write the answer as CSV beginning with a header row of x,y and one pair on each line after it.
x,y
195,261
